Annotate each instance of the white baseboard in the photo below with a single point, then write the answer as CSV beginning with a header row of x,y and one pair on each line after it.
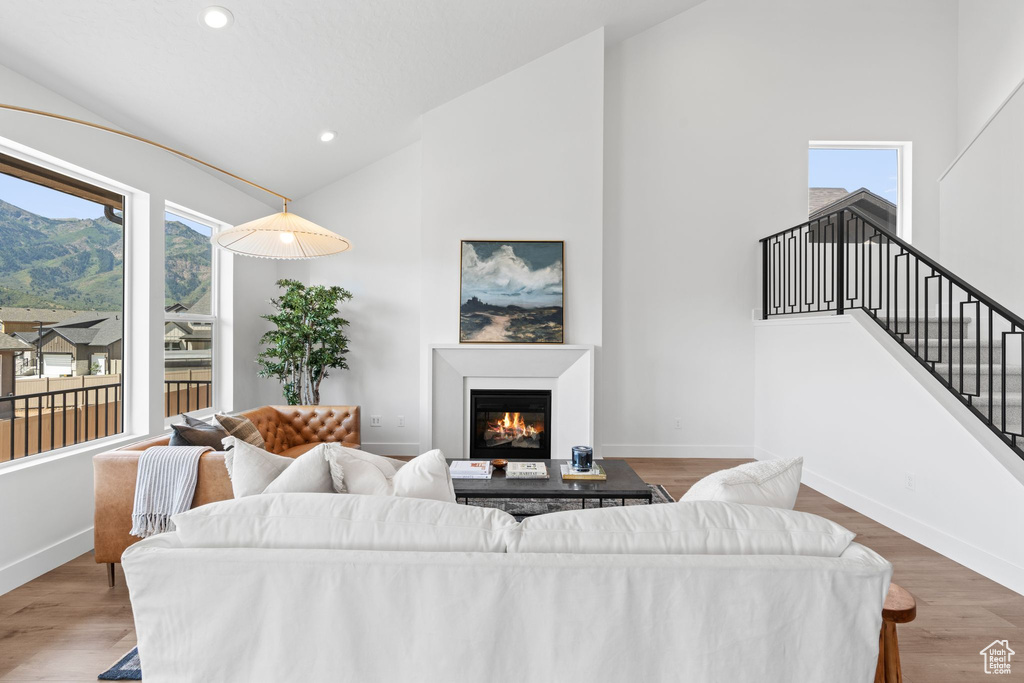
x,y
973,558
35,565
616,450
391,448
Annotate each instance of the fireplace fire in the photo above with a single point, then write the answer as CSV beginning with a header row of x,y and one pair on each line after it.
x,y
511,424
513,430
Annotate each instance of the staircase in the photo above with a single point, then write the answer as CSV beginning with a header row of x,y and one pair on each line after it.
x,y
970,343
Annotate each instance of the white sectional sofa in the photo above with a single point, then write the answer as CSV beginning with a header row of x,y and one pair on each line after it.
x,y
331,587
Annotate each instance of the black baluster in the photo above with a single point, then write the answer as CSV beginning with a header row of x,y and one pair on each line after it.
x,y
764,280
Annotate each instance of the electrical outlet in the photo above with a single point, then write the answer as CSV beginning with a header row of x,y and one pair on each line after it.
x,y
679,423
910,482
376,420
401,420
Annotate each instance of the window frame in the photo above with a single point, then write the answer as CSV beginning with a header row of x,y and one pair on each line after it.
x,y
219,396
904,178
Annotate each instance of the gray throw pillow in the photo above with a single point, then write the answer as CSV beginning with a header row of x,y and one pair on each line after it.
x,y
206,435
195,421
241,428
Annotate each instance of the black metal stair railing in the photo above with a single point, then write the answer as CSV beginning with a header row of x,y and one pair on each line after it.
x,y
971,344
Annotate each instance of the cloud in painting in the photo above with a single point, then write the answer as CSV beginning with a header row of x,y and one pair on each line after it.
x,y
504,278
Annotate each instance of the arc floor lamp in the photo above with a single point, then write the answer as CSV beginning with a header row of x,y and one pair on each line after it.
x,y
281,235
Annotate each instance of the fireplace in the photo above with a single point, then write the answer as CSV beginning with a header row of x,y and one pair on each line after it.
x,y
510,423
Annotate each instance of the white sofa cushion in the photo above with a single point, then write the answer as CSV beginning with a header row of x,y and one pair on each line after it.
x,y
253,470
330,521
425,476
697,528
773,483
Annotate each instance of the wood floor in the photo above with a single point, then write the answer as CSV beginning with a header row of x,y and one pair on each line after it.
x,y
68,626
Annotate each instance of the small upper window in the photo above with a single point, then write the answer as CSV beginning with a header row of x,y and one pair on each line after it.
x,y
867,177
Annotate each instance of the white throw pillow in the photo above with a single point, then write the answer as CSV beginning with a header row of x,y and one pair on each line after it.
x,y
426,476
772,483
330,521
253,470
698,528
359,472
308,473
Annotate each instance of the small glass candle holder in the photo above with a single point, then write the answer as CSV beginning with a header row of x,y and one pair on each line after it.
x,y
582,458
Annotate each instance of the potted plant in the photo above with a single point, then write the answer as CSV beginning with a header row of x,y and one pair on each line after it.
x,y
308,341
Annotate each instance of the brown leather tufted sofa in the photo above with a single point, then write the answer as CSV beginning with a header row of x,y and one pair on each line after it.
x,y
287,430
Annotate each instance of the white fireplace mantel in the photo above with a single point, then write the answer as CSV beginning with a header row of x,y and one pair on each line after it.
x,y
567,370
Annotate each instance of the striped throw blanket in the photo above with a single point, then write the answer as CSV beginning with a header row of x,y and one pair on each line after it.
x,y
165,485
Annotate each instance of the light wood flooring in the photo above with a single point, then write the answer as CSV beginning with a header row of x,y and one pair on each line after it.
x,y
68,626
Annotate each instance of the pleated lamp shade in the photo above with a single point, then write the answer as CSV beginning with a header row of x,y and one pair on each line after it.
x,y
281,236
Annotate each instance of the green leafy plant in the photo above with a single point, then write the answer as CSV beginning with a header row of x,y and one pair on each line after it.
x,y
308,341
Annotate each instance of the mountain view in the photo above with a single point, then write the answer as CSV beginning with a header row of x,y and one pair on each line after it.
x,y
78,263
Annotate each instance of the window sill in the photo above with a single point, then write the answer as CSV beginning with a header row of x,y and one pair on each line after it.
x,y
90,448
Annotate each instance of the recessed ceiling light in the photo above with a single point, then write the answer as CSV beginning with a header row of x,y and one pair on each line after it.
x,y
327,136
216,17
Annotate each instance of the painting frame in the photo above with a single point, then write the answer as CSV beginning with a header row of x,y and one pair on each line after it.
x,y
472,336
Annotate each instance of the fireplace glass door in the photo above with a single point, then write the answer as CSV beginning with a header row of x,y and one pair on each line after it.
x,y
511,424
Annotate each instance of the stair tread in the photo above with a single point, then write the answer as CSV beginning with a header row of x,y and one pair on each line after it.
x,y
934,341
930,319
1012,399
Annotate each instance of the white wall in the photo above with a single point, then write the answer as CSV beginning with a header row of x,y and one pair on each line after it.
x,y
518,158
982,225
708,120
863,424
990,56
48,502
378,209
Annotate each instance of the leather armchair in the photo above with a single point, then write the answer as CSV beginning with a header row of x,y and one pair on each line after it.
x,y
287,430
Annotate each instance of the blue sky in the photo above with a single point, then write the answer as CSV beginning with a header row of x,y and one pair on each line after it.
x,y
43,201
50,203
198,227
875,169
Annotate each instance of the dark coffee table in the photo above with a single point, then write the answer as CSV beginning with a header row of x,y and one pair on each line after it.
x,y
622,484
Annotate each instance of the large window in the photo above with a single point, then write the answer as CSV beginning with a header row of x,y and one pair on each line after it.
x,y
190,313
61,309
871,177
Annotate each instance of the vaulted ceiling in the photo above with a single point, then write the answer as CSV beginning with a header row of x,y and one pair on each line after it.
x,y
254,97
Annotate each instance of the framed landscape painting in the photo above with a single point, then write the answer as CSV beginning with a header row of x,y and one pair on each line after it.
x,y
512,292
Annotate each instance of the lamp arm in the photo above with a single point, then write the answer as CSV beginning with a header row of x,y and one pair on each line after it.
x,y
108,129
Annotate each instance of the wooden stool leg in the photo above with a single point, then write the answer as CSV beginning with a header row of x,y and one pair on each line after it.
x,y
110,574
891,653
880,669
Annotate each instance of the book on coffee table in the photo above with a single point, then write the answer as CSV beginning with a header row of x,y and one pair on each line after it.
x,y
526,470
471,469
595,473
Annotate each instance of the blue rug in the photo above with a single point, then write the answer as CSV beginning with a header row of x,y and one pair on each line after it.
x,y
127,668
